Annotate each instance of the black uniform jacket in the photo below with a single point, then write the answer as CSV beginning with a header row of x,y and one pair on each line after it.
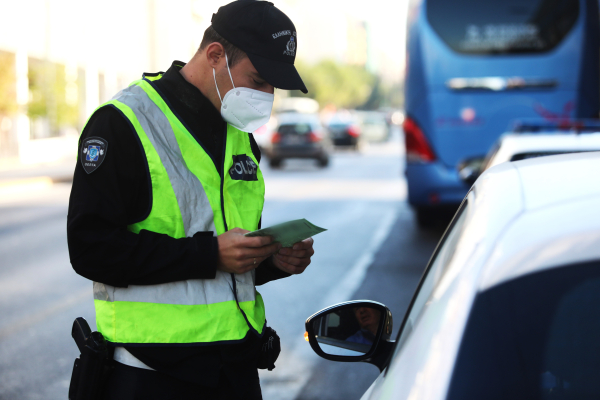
x,y
118,193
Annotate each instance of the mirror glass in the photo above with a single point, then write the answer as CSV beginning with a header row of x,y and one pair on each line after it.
x,y
349,331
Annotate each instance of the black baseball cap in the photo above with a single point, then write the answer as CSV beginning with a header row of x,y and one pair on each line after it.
x,y
266,35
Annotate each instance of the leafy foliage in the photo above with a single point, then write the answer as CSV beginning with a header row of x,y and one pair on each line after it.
x,y
347,86
341,85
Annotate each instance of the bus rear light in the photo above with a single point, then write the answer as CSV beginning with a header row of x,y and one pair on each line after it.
x,y
434,198
417,147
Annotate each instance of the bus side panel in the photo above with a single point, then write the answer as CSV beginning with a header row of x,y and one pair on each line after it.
x,y
589,85
467,124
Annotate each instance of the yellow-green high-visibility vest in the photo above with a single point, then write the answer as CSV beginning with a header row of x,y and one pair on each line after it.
x,y
189,194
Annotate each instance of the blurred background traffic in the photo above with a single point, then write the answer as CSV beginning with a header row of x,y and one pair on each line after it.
x,y
61,59
409,101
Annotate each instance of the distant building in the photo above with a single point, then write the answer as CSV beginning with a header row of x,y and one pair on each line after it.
x,y
69,56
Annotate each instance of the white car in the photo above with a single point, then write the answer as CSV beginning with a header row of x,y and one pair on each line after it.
x,y
509,305
373,125
515,146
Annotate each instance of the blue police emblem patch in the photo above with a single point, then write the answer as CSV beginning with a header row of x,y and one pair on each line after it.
x,y
93,151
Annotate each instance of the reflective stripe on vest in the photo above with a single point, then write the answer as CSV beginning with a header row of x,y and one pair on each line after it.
x,y
186,198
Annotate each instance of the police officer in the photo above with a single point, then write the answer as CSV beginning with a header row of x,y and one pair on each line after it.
x,y
166,184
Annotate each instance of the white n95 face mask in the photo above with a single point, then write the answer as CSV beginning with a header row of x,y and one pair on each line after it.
x,y
246,109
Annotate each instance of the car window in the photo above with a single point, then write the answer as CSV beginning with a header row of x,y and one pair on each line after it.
x,y
502,26
536,154
433,273
339,125
294,129
535,337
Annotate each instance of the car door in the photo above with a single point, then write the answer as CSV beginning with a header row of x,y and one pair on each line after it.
x,y
431,277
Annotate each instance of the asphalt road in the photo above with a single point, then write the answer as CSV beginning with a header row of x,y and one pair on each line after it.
x,y
372,250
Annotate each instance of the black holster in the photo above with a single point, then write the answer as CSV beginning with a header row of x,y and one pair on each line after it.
x,y
92,368
270,347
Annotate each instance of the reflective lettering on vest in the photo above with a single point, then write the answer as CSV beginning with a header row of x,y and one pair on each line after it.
x,y
243,169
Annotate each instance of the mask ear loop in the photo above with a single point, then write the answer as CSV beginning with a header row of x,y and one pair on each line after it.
x,y
217,86
228,70
215,78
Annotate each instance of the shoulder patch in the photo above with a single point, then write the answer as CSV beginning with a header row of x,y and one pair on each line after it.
x,y
93,151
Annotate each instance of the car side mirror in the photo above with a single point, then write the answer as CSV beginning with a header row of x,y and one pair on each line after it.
x,y
352,331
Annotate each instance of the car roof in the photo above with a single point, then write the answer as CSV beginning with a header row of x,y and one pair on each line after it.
x,y
557,222
512,144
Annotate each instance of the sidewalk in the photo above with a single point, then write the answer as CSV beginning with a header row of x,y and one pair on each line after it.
x,y
15,176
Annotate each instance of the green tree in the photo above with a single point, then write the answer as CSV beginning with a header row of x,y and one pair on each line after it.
x,y
341,85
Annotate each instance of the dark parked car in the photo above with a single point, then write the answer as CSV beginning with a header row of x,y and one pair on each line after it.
x,y
344,131
299,136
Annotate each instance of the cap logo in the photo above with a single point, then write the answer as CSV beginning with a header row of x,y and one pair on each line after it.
x,y
282,33
290,47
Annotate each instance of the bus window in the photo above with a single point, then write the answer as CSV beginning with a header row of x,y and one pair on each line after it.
x,y
502,26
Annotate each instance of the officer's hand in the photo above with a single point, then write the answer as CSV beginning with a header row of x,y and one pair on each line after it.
x,y
239,254
294,260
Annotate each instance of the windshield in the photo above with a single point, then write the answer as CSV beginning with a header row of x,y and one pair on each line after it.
x,y
294,129
535,337
502,26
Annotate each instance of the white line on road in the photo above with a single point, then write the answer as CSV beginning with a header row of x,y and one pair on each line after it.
x,y
357,273
295,364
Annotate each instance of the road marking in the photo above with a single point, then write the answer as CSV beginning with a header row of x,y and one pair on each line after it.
x,y
47,312
295,363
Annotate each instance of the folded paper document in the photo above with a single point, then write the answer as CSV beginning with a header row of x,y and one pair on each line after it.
x,y
290,232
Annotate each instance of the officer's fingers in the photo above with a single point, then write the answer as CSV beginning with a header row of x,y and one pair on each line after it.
x,y
289,260
291,268
257,241
302,253
249,264
305,244
264,251
287,251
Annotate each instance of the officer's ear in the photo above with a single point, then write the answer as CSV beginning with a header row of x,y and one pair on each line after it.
x,y
215,54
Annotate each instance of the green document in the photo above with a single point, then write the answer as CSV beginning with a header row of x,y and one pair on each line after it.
x,y
288,233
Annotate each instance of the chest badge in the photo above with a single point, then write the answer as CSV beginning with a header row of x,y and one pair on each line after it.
x,y
243,169
93,151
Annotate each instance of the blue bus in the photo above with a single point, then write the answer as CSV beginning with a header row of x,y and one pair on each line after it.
x,y
473,66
